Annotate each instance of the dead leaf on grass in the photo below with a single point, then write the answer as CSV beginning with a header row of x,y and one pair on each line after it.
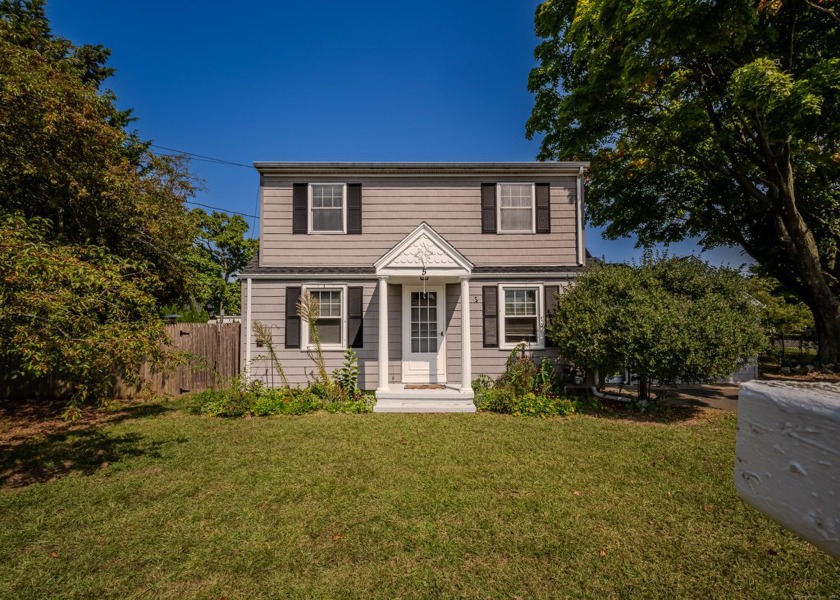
x,y
603,553
336,537
53,554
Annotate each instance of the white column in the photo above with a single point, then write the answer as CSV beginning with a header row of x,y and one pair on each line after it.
x,y
248,320
466,348
383,335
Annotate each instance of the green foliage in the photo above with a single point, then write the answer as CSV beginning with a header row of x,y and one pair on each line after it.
x,y
715,120
505,401
784,314
671,320
239,399
78,313
524,389
65,155
219,252
347,376
94,226
521,372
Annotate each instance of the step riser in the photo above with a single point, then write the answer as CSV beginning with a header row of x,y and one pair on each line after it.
x,y
423,406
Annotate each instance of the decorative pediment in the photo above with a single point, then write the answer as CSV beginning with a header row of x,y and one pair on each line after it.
x,y
423,248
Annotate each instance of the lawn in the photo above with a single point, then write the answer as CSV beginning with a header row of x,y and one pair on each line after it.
x,y
150,501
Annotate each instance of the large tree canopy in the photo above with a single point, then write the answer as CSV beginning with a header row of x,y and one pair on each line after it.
x,y
94,233
671,320
66,156
705,118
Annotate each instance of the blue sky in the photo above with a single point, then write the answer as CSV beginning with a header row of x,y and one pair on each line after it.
x,y
323,81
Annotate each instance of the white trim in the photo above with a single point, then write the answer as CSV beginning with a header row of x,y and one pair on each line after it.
x,y
310,220
499,209
374,277
304,325
540,344
382,351
466,345
439,374
389,263
248,342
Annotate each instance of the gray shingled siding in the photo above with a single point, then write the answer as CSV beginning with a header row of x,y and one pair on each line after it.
x,y
392,208
268,300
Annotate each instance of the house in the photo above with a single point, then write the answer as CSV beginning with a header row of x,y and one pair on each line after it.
x,y
431,272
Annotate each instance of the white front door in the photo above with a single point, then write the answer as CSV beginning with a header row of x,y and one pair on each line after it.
x,y
424,329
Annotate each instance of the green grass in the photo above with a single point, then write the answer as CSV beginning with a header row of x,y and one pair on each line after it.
x,y
389,506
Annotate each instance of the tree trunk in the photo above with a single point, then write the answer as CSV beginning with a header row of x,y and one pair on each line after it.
x,y
828,335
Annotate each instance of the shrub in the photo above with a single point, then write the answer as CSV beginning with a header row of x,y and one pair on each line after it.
x,y
524,389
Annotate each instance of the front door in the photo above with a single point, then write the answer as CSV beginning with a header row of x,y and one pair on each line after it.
x,y
424,328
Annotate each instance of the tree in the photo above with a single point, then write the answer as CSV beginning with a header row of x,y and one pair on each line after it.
x,y
93,228
710,119
220,251
671,320
78,313
65,155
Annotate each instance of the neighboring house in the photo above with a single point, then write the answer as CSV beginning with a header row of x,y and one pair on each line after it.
x,y
431,272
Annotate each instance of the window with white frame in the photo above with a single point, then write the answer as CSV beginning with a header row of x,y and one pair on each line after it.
x,y
516,208
521,316
327,207
330,318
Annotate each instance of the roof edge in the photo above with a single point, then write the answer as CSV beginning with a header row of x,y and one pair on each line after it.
x,y
421,168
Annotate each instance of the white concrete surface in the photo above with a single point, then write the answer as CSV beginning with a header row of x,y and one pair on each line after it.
x,y
788,457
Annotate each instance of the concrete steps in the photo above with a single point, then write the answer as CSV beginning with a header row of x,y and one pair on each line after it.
x,y
424,401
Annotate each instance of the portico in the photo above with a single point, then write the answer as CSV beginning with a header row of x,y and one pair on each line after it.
x,y
422,264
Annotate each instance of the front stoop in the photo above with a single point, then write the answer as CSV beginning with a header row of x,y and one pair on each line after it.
x,y
400,400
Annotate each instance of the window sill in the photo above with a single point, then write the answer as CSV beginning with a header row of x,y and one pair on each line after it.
x,y
509,346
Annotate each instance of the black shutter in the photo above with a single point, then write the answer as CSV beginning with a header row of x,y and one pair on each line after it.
x,y
490,312
354,208
551,292
300,197
292,318
543,208
355,320
488,208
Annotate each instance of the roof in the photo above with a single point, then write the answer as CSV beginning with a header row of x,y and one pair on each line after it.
x,y
424,169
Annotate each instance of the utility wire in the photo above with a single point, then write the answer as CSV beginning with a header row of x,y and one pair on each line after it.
x,y
222,209
202,157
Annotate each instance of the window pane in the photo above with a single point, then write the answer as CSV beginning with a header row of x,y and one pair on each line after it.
x,y
516,219
521,302
520,329
329,330
327,195
327,219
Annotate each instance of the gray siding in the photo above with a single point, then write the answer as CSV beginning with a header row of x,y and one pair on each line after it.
x,y
392,208
268,302
491,361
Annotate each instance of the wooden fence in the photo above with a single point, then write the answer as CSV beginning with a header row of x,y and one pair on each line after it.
x,y
214,357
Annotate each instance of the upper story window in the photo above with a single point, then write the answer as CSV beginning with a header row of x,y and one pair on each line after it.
x,y
516,208
327,208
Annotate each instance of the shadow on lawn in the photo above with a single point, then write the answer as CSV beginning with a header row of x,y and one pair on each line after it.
x,y
37,445
661,412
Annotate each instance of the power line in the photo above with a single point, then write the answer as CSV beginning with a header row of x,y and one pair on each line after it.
x,y
221,209
203,158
